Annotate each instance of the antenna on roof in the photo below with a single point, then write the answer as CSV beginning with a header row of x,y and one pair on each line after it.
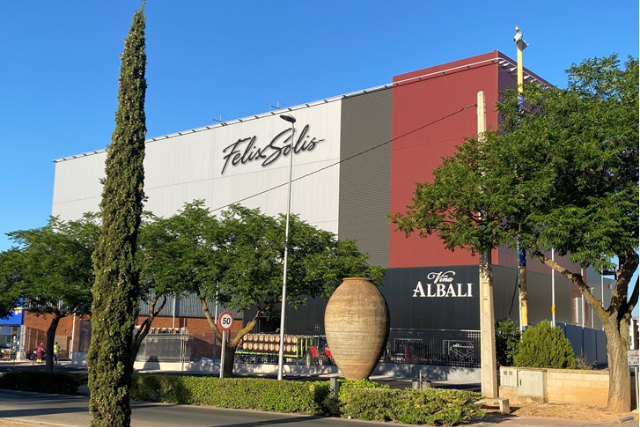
x,y
277,106
218,120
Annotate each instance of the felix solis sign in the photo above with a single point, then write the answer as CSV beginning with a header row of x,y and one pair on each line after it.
x,y
250,149
442,284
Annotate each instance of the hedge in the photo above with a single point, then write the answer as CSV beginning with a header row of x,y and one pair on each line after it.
x,y
235,393
43,381
357,399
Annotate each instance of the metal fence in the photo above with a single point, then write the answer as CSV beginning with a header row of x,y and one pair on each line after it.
x,y
443,347
589,344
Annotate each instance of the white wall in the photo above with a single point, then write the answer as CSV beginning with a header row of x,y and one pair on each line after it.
x,y
190,166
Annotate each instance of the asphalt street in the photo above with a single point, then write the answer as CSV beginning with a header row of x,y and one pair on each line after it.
x,y
72,411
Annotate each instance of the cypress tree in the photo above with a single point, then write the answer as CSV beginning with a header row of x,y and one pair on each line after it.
x,y
116,290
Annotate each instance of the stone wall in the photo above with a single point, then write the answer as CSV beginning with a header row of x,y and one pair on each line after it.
x,y
526,385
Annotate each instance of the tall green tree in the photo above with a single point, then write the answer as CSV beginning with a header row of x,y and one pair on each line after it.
x,y
116,290
561,173
566,172
50,271
317,263
236,260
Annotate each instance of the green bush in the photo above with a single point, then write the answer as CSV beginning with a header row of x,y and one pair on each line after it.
x,y
236,393
545,347
43,381
507,340
430,406
357,399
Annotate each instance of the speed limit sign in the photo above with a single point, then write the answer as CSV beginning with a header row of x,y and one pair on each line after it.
x,y
225,320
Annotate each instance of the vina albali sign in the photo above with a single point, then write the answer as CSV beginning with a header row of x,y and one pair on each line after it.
x,y
442,286
246,150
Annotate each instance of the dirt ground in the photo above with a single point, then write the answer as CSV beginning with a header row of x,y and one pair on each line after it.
x,y
568,411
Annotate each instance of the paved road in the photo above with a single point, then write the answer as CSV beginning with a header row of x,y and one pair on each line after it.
x,y
71,411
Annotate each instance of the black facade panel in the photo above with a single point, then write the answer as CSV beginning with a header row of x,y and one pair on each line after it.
x,y
447,297
433,297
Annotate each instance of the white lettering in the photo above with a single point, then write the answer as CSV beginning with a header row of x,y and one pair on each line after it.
x,y
442,287
460,291
429,294
451,291
420,290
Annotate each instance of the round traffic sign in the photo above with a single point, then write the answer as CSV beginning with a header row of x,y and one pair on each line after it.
x,y
225,320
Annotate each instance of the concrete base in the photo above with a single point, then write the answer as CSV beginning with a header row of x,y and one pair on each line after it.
x,y
501,402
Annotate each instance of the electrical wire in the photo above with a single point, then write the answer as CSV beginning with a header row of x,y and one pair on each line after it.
x,y
375,147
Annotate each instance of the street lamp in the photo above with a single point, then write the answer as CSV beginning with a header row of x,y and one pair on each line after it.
x,y
291,120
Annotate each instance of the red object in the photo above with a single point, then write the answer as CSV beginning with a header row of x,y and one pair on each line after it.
x,y
40,351
327,352
314,352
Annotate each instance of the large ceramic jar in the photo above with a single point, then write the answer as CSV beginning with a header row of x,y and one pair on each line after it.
x,y
356,322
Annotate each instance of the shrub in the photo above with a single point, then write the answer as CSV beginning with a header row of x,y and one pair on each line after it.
x,y
507,340
430,406
43,381
358,399
545,347
236,393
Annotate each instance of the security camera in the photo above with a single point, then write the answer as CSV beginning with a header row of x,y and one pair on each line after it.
x,y
517,37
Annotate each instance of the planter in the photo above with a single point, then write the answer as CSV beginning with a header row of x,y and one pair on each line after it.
x,y
356,323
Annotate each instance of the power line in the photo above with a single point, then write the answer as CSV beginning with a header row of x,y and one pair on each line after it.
x,y
375,147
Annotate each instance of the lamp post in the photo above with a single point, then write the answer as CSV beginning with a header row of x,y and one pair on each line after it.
x,y
522,255
291,120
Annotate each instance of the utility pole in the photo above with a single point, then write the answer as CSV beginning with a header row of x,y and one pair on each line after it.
x,y
522,254
489,373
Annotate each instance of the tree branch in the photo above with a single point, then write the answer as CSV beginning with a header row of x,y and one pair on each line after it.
x,y
577,280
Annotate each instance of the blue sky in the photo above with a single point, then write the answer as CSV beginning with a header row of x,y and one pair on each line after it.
x,y
229,59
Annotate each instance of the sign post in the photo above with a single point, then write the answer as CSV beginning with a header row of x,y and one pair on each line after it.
x,y
225,322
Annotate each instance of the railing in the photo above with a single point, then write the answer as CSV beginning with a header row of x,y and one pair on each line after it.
x,y
442,347
459,348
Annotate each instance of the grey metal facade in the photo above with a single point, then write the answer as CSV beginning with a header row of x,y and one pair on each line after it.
x,y
365,179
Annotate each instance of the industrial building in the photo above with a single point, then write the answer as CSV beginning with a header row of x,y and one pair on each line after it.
x,y
356,159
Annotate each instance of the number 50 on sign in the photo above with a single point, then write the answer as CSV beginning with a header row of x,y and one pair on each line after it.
x,y
225,320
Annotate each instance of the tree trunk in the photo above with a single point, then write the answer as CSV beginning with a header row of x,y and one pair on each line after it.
x,y
616,324
143,330
619,399
229,353
51,338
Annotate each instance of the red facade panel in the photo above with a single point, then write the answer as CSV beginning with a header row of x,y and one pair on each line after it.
x,y
422,135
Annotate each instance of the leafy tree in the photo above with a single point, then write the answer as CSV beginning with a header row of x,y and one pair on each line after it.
x,y
50,270
317,262
236,260
565,171
545,347
9,298
507,340
116,290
